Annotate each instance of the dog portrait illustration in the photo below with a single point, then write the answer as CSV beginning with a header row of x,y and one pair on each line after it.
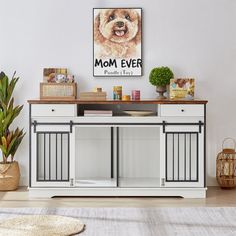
x,y
117,32
117,35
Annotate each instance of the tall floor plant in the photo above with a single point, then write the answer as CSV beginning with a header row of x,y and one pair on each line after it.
x,y
10,139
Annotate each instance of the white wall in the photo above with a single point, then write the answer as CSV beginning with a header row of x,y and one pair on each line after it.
x,y
194,37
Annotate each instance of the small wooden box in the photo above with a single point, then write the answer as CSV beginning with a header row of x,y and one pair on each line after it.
x,y
58,91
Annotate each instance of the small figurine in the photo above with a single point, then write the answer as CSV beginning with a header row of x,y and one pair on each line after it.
x,y
60,78
70,79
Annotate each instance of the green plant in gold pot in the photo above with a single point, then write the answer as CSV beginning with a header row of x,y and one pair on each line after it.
x,y
9,139
160,77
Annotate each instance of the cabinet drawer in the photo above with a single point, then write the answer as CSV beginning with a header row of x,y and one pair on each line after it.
x,y
182,110
54,110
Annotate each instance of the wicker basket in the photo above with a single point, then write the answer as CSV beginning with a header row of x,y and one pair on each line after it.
x,y
61,91
9,176
226,166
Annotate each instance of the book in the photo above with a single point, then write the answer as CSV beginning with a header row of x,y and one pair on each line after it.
x,y
97,113
93,96
182,88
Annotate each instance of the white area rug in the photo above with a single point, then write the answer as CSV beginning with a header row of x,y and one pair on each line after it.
x,y
143,221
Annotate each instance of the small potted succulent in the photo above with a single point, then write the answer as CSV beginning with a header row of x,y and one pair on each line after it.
x,y
160,77
10,139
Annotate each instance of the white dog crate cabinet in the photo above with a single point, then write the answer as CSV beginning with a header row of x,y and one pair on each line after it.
x,y
162,154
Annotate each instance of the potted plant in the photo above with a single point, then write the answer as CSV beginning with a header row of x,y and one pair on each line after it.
x,y
9,139
160,77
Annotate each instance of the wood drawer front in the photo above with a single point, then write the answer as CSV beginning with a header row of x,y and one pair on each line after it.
x,y
53,110
182,110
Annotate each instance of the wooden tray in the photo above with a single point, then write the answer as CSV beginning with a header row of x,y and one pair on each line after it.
x,y
139,113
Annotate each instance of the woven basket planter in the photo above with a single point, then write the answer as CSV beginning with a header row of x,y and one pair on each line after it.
x,y
9,176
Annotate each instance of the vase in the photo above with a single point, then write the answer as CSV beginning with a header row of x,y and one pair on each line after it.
x,y
9,176
161,90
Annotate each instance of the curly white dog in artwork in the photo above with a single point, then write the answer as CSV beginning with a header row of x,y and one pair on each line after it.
x,y
117,32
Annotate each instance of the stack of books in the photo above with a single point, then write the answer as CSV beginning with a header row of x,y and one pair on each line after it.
x,y
94,96
97,113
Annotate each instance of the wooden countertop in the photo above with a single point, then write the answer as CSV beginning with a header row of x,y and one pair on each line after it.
x,y
144,101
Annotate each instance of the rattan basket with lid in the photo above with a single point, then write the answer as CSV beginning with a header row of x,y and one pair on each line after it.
x,y
226,166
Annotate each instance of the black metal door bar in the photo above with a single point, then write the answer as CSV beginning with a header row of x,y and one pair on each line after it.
x,y
35,123
112,153
44,139
200,124
117,156
71,123
175,156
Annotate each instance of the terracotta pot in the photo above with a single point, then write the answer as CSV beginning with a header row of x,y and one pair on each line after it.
x,y
161,90
9,176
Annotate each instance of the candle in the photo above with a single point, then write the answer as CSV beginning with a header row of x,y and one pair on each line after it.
x,y
126,97
135,94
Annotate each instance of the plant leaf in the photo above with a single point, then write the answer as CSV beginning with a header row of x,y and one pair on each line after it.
x,y
4,150
4,141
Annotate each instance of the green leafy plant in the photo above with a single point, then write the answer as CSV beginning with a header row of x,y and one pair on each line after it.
x,y
9,140
160,76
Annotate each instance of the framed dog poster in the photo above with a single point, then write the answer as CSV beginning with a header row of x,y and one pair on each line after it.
x,y
117,38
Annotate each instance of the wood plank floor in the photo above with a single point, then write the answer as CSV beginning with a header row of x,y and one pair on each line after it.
x,y
215,197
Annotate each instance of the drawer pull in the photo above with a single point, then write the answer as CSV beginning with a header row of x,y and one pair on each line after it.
x,y
53,110
182,110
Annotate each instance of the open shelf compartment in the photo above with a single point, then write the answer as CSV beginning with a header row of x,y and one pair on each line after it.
x,y
132,152
118,109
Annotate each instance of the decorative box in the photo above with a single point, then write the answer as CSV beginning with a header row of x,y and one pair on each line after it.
x,y
58,91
